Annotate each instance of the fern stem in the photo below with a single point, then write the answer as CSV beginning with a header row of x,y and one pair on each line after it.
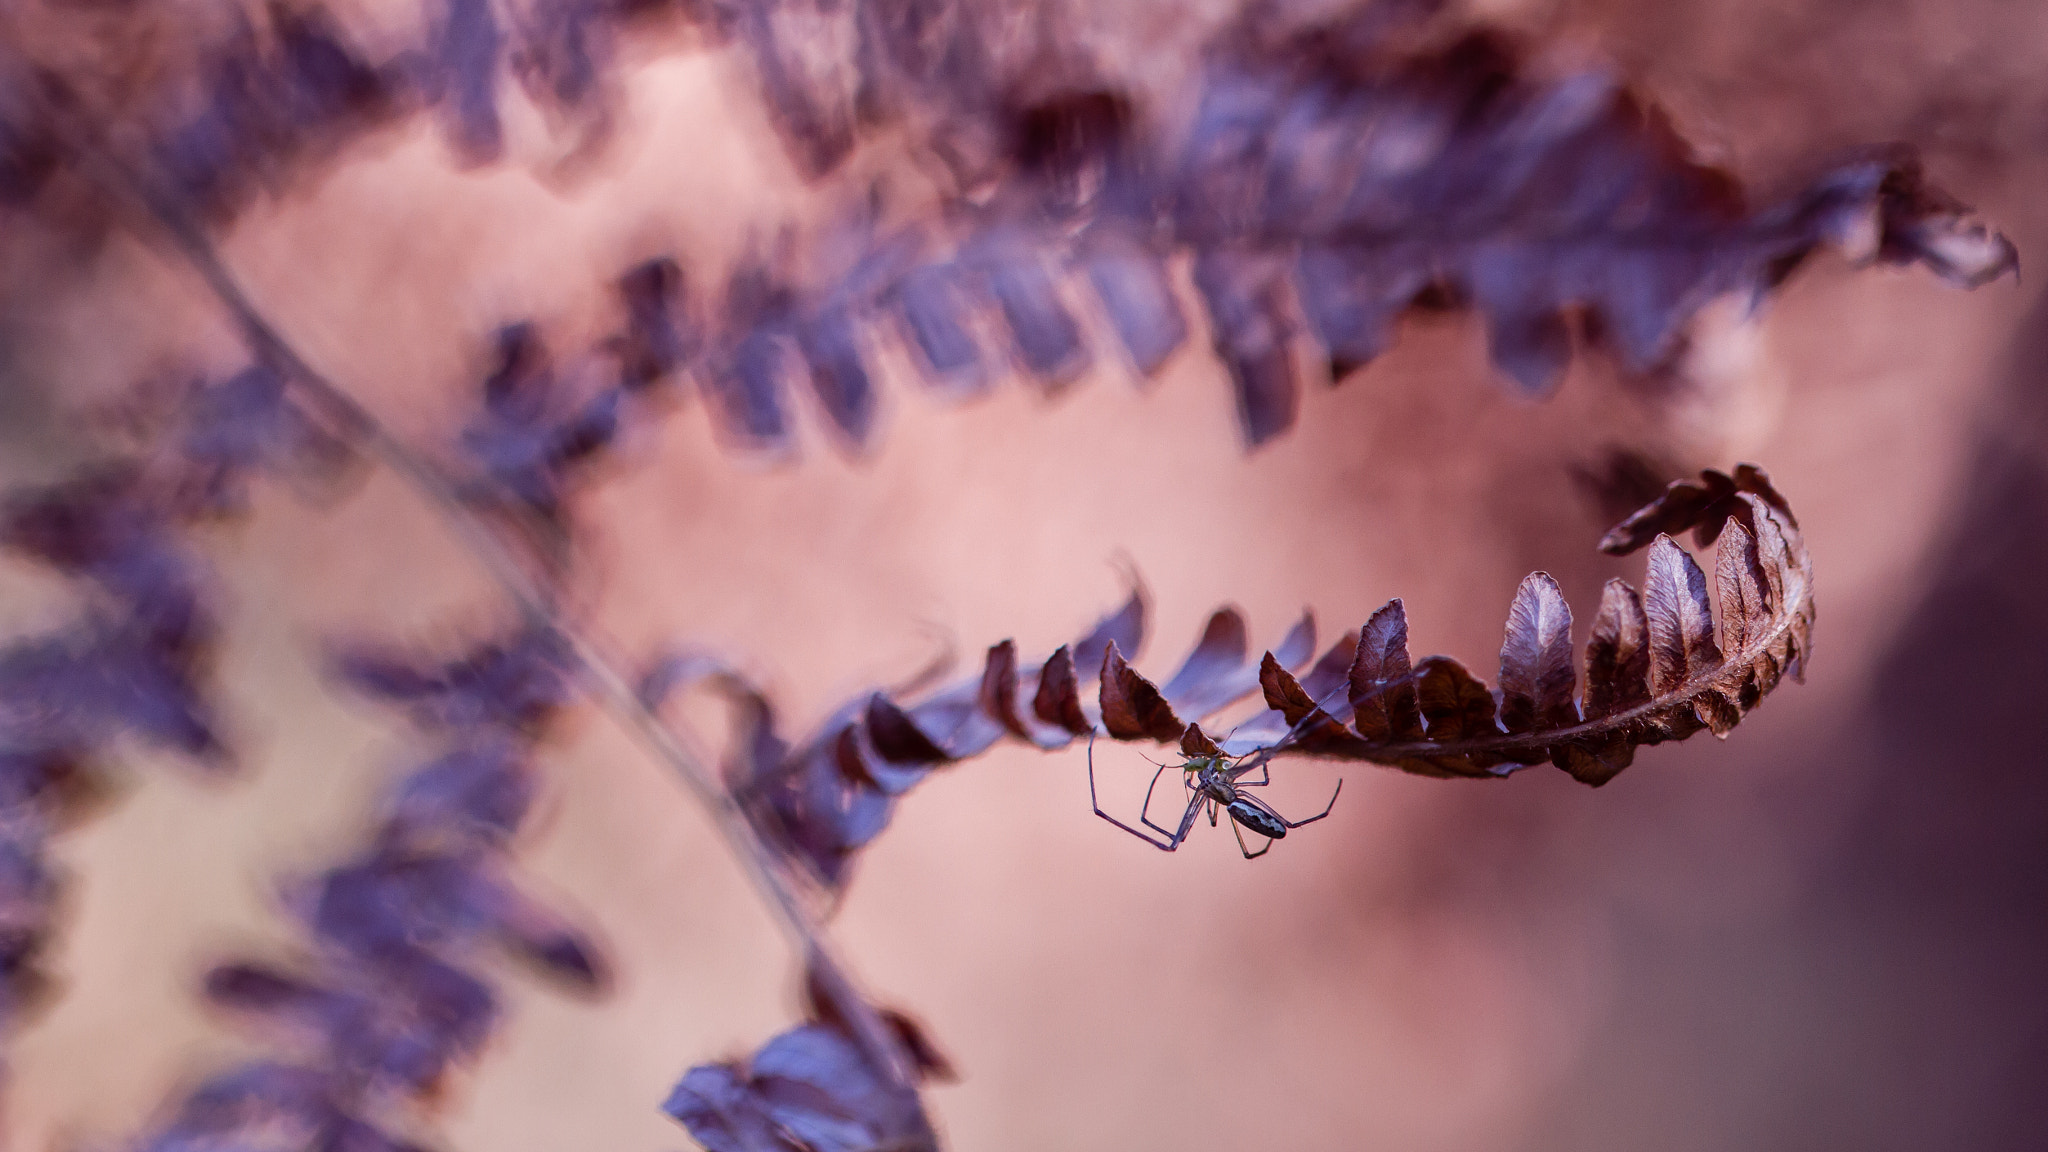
x,y
799,920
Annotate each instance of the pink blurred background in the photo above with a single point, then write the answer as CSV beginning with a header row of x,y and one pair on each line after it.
x,y
1826,932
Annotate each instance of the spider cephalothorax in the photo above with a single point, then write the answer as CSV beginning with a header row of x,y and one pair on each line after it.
x,y
1215,781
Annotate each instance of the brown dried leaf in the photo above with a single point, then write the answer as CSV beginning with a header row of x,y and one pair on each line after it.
x,y
1132,706
1058,700
1382,691
1312,728
1618,653
997,698
1654,671
1536,675
1680,617
1456,705
897,737
1704,506
1745,609
1195,743
999,688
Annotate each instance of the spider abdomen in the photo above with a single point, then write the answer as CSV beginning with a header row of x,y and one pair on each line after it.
x,y
1257,819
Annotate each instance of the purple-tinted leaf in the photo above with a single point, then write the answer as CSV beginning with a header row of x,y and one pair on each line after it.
x,y
1216,674
934,314
1299,644
1048,339
514,683
102,526
259,989
28,912
563,52
830,342
848,816
931,1062
1684,504
1323,685
715,1102
820,1088
521,379
248,422
748,394
36,773
1221,182
826,1002
454,1009
956,722
467,54
804,54
210,155
320,78
1351,296
1138,300
387,676
1061,139
29,148
682,670
532,436
1195,743
386,907
134,677
478,794
853,750
1331,672
348,1134
258,1088
819,806
1246,297
1207,669
1124,628
1525,331
656,341
553,946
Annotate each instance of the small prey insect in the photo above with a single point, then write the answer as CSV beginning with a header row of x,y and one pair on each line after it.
x,y
1215,781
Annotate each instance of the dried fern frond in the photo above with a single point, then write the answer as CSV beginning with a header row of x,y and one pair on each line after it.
x,y
1659,665
1328,182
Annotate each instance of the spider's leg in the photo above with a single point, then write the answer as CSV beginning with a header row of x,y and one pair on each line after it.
x,y
1319,815
1264,779
1237,830
1167,845
1145,813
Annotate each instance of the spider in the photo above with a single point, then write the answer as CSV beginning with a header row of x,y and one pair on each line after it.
x,y
1214,780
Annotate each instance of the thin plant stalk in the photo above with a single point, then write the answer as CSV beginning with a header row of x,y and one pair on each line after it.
x,y
361,427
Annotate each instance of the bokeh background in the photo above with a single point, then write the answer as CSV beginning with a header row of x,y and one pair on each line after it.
x,y
1826,932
